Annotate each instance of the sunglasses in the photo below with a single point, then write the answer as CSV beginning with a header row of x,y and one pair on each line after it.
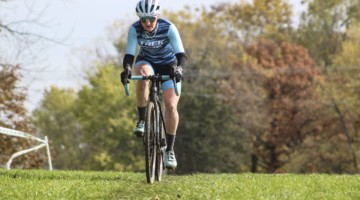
x,y
144,19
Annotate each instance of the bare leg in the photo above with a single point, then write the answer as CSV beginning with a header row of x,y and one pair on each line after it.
x,y
142,87
171,113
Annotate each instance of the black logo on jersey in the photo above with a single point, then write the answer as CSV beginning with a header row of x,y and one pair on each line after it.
x,y
153,44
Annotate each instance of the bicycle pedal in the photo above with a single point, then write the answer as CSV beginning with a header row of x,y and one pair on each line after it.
x,y
139,134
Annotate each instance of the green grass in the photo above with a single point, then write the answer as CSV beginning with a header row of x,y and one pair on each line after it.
x,y
39,184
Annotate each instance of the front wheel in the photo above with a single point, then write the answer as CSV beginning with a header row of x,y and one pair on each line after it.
x,y
150,142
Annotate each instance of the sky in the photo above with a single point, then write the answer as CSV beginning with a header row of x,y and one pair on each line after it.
x,y
77,27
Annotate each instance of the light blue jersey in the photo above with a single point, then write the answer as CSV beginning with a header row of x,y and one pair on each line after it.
x,y
158,47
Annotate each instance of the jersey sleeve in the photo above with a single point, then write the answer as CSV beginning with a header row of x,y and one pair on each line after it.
x,y
175,40
131,41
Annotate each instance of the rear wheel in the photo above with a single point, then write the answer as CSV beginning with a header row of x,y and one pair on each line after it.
x,y
150,141
160,150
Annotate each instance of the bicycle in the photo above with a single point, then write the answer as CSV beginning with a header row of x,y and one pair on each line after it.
x,y
154,138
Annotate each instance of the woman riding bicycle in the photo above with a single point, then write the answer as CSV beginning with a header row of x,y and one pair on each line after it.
x,y
161,52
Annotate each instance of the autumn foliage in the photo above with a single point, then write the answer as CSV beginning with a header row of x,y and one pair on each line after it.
x,y
13,115
282,78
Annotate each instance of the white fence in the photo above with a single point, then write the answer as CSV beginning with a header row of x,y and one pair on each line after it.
x,y
44,143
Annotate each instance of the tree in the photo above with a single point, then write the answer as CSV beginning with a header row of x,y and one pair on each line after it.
x,y
323,30
55,117
344,88
95,125
13,115
207,126
290,86
242,94
246,22
217,55
208,138
107,117
322,27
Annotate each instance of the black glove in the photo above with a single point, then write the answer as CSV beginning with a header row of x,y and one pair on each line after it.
x,y
125,75
177,73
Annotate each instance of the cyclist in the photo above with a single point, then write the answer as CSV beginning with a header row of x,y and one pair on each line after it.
x,y
161,52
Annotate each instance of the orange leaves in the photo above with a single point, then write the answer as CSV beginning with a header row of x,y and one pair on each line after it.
x,y
13,115
290,91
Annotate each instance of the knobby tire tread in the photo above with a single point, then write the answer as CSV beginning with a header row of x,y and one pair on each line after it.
x,y
150,149
160,153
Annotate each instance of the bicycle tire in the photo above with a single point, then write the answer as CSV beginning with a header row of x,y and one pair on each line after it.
x,y
159,151
150,142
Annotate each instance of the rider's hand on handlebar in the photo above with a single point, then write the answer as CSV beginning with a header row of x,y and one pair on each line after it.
x,y
177,73
125,75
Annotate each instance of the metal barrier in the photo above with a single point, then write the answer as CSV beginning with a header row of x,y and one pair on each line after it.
x,y
44,143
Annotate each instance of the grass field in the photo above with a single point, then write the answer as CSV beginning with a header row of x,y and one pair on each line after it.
x,y
40,184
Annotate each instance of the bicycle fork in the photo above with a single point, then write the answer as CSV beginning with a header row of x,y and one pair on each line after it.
x,y
159,119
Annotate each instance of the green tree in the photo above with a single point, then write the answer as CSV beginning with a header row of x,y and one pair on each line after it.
x,y
55,118
322,27
92,130
107,118
343,87
209,139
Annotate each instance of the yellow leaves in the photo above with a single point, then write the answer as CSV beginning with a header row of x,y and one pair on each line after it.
x,y
344,73
349,57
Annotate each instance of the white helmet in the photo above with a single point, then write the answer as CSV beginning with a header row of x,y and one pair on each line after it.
x,y
147,8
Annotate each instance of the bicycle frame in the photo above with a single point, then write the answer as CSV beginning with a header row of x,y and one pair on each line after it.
x,y
154,90
155,142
